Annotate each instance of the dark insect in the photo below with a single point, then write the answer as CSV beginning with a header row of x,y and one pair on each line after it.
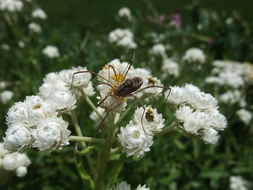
x,y
124,87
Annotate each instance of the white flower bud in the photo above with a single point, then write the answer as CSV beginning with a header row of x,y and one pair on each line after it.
x,y
17,137
51,134
21,171
51,51
6,96
140,187
34,27
134,140
39,13
62,100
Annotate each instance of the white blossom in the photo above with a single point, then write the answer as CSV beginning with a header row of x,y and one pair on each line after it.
x,y
134,140
244,115
11,5
238,183
52,82
51,51
3,85
94,116
158,50
39,13
194,55
123,38
6,96
176,95
51,134
74,79
34,27
14,161
125,12
210,136
142,187
21,44
122,186
170,68
62,100
18,137
5,47
231,97
149,119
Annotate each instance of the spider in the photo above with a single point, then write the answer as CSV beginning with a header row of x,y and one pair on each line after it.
x,y
121,88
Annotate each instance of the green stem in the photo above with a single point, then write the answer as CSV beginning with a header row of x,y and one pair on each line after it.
x,y
86,139
82,143
199,37
90,103
168,129
104,157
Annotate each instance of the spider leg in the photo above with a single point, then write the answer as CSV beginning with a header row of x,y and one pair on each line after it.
x,y
100,126
128,68
78,72
154,86
115,73
142,116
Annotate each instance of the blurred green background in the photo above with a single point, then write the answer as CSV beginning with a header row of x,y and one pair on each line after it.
x,y
175,162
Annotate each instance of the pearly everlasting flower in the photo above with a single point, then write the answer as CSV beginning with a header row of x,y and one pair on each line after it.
x,y
170,68
51,51
52,82
198,99
18,137
197,113
210,136
140,187
134,140
194,55
11,5
62,100
14,161
51,134
158,50
5,47
78,80
6,96
244,115
176,95
123,38
34,27
38,109
89,90
125,12
94,116
229,73
149,119
238,183
3,85
122,186
21,44
231,97
39,13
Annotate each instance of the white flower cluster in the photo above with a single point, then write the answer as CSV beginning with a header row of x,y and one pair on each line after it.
x,y
228,73
34,27
5,95
123,38
170,67
137,137
51,51
114,74
124,186
36,122
238,183
13,161
197,112
125,12
194,55
39,13
232,76
158,50
244,115
11,5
